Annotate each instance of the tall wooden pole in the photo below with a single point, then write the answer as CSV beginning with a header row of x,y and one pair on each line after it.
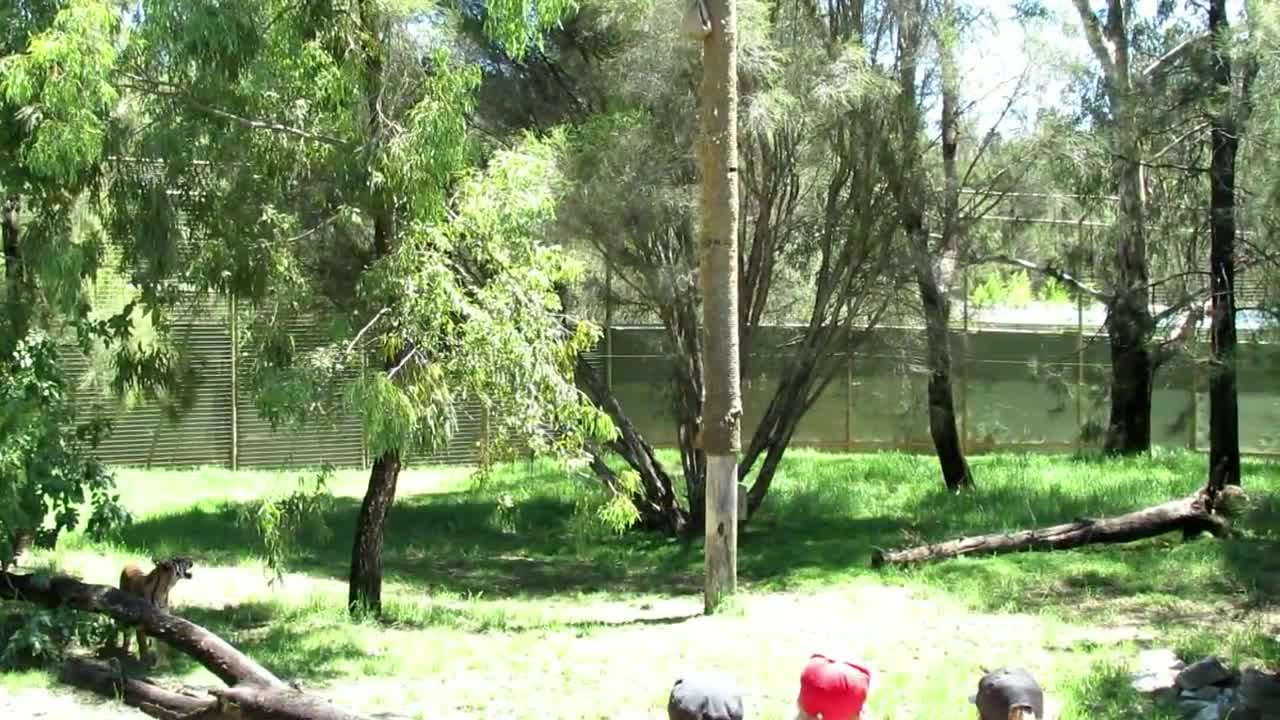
x,y
722,409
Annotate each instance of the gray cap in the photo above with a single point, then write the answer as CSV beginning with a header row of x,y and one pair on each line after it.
x,y
1002,690
705,696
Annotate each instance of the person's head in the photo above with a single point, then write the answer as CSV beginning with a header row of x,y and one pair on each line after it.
x,y
1009,694
832,689
705,696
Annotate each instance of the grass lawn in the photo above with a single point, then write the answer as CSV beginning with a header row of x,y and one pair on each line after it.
x,y
499,605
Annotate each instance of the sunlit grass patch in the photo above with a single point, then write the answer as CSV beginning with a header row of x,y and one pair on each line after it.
x,y
500,601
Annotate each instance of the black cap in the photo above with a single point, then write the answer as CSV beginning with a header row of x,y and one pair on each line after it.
x,y
704,696
1000,691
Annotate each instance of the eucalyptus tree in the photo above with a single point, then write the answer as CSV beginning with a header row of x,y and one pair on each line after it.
x,y
1136,107
55,95
816,231
315,162
930,260
1232,71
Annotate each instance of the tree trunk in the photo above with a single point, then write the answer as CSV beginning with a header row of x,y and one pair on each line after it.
x,y
657,499
942,409
18,309
933,288
1129,321
1192,515
365,586
926,261
146,696
680,318
364,591
1224,428
722,411
790,402
17,301
1129,428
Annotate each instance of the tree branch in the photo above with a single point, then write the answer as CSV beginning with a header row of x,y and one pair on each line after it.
x,y
1176,142
211,651
356,340
255,693
154,88
1093,32
1047,270
413,352
1157,69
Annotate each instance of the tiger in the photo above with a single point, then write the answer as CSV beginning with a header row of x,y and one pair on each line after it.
x,y
153,587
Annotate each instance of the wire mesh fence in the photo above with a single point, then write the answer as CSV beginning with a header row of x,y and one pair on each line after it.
x,y
1014,389
1031,374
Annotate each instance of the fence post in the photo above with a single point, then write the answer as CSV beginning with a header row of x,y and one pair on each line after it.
x,y
1079,348
848,395
364,445
1192,429
235,382
965,442
608,325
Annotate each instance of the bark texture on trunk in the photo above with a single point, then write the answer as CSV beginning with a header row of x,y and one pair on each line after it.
x,y
365,584
1224,416
1129,322
942,410
718,274
1129,426
1191,515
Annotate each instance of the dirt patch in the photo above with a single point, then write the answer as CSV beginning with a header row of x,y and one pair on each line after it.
x,y
60,704
618,659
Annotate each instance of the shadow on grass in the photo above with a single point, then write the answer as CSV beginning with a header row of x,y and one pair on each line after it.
x,y
827,516
1255,558
312,648
315,644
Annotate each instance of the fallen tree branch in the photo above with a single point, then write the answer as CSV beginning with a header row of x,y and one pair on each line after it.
x,y
1192,515
222,704
255,693
208,649
148,697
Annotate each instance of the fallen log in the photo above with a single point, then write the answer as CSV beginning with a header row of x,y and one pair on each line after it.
x,y
1192,515
236,702
209,650
148,697
255,693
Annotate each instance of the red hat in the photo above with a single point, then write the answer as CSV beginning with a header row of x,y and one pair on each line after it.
x,y
834,689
